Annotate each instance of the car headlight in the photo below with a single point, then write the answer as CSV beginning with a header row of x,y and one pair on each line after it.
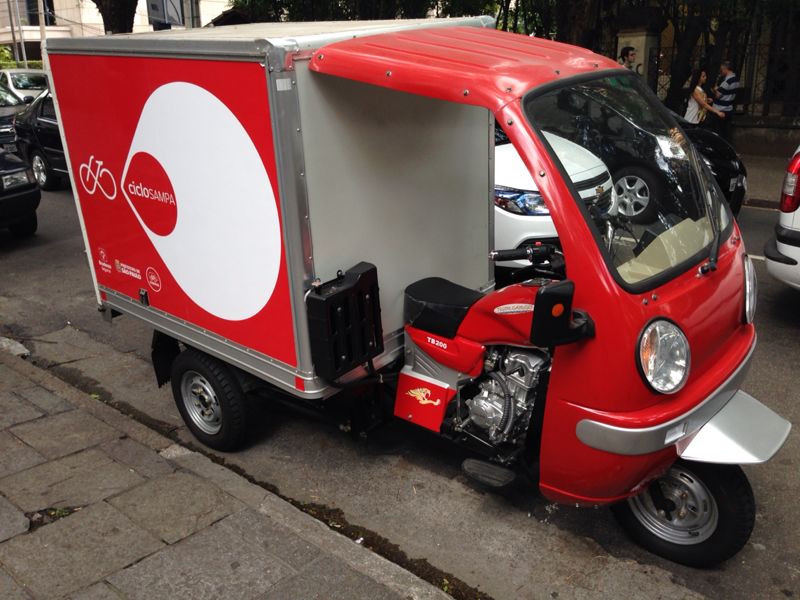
x,y
664,356
750,290
520,202
16,179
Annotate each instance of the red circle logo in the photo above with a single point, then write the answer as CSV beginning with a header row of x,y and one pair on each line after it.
x,y
150,191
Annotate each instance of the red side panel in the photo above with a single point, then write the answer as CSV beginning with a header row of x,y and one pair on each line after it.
x,y
502,317
421,400
458,354
175,173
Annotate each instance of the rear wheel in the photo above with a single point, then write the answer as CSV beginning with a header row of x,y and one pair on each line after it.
x,y
25,228
210,400
45,176
697,514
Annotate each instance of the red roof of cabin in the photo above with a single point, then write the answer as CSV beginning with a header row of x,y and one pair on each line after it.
x,y
470,65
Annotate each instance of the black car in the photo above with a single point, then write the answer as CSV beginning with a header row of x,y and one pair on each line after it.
x,y
725,164
39,142
10,106
623,139
19,195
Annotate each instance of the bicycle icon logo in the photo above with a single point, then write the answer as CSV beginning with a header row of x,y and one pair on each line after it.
x,y
95,177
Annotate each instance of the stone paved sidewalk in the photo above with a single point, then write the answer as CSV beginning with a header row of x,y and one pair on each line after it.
x,y
94,505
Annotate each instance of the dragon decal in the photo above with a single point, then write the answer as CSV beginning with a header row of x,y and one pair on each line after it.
x,y
423,396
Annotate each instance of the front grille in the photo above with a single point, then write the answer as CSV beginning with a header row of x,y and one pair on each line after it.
x,y
603,201
594,182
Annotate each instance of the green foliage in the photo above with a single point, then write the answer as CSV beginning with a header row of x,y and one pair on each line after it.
x,y
10,64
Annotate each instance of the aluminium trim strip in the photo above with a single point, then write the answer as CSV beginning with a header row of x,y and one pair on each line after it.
x,y
251,361
203,49
257,364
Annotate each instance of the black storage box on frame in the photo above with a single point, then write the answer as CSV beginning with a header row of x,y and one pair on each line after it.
x,y
344,321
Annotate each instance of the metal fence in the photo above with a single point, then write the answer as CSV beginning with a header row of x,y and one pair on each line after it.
x,y
769,76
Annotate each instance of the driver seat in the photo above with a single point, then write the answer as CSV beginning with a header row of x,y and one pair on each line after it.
x,y
438,306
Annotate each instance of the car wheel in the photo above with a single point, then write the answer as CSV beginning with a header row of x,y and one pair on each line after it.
x,y
210,399
45,177
639,193
26,227
709,516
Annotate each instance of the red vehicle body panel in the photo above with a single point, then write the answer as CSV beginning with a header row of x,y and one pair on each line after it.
x,y
468,65
135,205
421,401
595,378
458,354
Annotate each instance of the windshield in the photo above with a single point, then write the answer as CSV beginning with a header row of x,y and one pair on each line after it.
x,y
7,98
665,207
29,81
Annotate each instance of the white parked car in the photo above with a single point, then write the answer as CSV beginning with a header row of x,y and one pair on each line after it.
x,y
783,251
520,215
24,83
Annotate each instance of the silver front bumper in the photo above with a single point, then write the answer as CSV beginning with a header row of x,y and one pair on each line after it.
x,y
743,432
729,426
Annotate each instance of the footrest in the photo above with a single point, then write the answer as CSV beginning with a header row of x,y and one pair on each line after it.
x,y
487,473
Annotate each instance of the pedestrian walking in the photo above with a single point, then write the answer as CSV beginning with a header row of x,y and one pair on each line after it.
x,y
699,104
724,97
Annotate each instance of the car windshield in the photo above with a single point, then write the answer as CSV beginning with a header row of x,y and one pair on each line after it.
x,y
665,208
29,81
7,98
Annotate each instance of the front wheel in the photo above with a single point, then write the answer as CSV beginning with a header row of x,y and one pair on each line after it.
x,y
210,400
697,514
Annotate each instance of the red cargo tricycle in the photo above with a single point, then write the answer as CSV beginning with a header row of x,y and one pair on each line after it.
x,y
327,224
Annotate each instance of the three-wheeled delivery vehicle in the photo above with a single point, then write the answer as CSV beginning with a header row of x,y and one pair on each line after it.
x,y
309,207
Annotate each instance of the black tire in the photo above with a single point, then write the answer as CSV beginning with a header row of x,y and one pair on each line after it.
x,y
45,176
733,501
26,227
220,396
640,208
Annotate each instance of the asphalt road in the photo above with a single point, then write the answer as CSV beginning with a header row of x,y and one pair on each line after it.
x,y
406,485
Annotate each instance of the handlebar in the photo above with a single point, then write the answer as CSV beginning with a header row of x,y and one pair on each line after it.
x,y
532,253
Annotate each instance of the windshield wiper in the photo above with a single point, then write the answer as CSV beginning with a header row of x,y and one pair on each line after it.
x,y
713,254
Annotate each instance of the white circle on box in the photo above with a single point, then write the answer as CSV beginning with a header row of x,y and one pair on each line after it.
x,y
225,249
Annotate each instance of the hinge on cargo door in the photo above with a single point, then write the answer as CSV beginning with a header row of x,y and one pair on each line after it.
x,y
143,297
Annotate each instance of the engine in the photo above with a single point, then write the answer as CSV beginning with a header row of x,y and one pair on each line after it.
x,y
504,402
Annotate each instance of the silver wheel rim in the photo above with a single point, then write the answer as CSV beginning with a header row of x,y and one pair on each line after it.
x,y
39,170
695,516
633,194
201,402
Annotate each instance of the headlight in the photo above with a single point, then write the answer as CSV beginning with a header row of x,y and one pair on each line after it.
x,y
13,180
750,290
664,356
520,202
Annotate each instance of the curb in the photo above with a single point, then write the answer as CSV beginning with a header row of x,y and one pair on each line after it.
x,y
762,203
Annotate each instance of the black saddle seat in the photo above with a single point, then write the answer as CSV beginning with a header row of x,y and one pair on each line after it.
x,y
438,306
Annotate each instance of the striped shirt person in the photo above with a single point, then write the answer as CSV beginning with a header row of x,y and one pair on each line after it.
x,y
725,93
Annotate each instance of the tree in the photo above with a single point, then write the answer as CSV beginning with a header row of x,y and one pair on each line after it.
x,y
117,14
